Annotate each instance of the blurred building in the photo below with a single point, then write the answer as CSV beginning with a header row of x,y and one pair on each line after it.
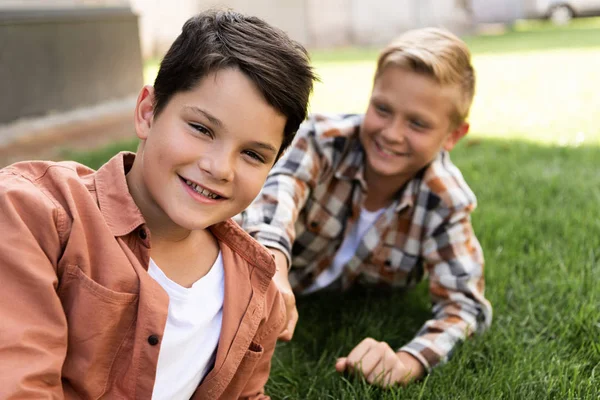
x,y
315,23
68,69
73,66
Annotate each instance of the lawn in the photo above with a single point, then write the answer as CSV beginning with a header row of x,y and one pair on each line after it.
x,y
533,160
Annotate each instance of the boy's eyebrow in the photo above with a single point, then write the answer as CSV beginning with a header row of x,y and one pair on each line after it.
x,y
213,120
216,121
265,146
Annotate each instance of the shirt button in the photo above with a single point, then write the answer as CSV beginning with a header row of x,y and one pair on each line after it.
x,y
142,234
153,340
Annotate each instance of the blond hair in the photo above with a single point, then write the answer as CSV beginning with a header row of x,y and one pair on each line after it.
x,y
438,54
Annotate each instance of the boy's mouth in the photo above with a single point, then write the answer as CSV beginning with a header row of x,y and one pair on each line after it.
x,y
201,190
388,152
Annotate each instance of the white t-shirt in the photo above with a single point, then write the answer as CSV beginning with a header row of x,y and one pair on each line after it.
x,y
189,343
346,250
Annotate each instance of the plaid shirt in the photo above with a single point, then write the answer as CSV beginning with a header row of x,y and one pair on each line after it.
x,y
313,197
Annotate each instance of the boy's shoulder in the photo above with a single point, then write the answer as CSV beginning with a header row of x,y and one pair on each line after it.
x,y
446,184
249,249
330,137
42,182
328,127
39,171
65,185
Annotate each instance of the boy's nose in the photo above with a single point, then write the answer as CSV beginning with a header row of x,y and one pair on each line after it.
x,y
393,133
218,165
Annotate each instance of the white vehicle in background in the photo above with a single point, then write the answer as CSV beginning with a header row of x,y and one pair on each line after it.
x,y
562,11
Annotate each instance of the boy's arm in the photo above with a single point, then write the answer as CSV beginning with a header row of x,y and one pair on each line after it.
x,y
33,328
271,217
454,260
267,337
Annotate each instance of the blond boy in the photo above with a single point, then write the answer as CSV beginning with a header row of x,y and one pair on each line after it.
x,y
375,199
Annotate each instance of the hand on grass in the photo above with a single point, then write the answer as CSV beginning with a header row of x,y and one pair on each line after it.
x,y
283,284
380,365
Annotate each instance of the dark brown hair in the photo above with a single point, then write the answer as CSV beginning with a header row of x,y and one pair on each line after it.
x,y
217,39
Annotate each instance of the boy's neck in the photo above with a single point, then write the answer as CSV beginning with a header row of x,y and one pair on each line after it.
x,y
379,196
186,261
381,192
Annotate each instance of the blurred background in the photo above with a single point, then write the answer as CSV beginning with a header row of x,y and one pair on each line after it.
x,y
70,69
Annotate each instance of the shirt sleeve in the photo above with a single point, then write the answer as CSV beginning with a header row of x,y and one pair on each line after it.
x,y
267,337
34,326
270,219
454,261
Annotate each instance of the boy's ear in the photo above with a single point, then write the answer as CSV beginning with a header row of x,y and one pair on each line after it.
x,y
144,112
453,137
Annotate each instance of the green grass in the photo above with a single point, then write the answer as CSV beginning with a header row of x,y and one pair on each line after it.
x,y
539,227
533,160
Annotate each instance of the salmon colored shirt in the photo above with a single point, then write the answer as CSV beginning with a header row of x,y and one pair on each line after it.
x,y
81,318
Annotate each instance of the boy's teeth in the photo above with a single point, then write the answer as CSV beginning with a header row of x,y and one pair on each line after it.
x,y
386,151
200,190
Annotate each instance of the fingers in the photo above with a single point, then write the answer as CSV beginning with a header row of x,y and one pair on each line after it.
x,y
340,364
375,361
355,357
285,289
387,371
289,328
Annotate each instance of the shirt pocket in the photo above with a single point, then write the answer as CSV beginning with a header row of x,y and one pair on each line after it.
x,y
253,354
323,223
244,372
395,266
99,320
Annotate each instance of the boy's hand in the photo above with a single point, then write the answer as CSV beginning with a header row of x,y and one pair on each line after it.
x,y
283,284
380,365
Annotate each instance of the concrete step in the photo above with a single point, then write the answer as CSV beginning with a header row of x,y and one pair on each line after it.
x,y
49,136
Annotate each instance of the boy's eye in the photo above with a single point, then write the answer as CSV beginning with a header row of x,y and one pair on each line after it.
x,y
381,109
255,156
201,128
418,124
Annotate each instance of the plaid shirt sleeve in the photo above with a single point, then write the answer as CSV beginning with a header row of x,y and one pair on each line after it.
x,y
271,217
454,261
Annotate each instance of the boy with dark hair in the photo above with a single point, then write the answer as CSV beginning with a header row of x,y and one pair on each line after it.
x,y
374,198
132,281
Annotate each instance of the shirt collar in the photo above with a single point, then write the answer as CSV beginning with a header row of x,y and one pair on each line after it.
x,y
116,204
352,164
230,233
408,195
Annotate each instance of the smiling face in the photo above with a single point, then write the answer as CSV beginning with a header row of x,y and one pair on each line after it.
x,y
206,155
408,121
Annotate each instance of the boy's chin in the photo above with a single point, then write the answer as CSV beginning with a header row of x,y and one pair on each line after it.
x,y
199,222
192,223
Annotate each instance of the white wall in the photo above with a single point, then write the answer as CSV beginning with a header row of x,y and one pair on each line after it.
x,y
288,15
498,11
329,22
314,23
379,21
161,21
